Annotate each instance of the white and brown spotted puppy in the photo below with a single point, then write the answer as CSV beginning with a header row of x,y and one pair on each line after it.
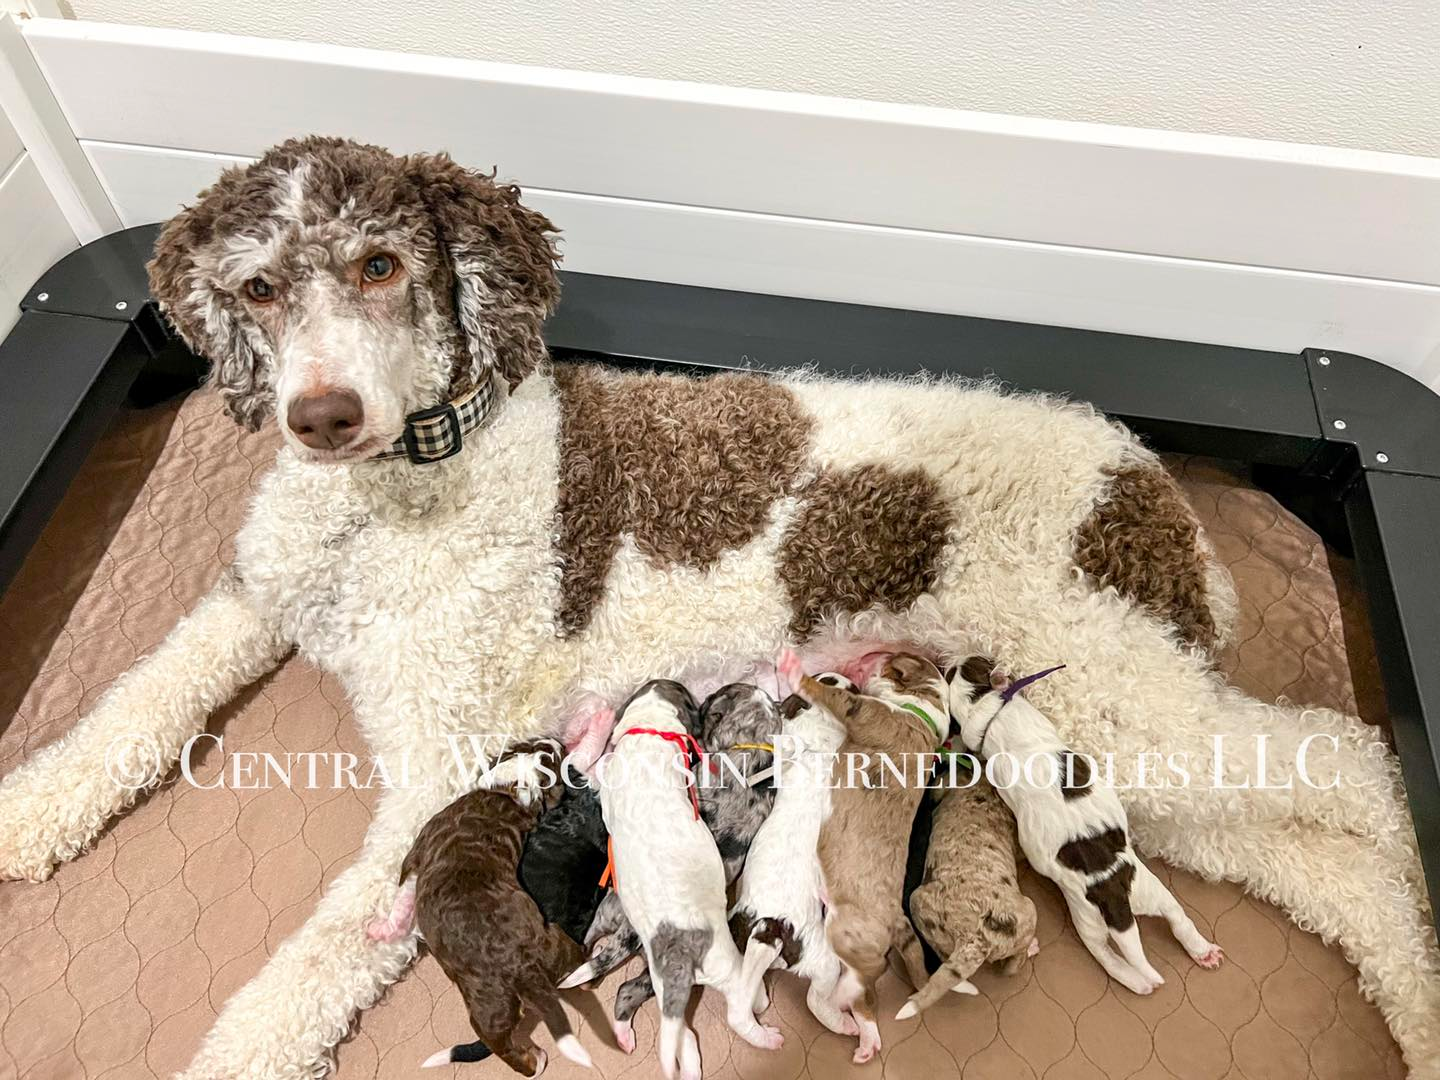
x,y
891,733
1071,830
779,916
969,907
669,874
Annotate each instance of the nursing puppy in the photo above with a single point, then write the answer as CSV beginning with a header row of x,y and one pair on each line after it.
x,y
779,919
969,907
891,734
564,857
459,886
736,725
669,874
1071,830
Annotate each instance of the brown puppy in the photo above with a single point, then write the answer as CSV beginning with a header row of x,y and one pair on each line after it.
x,y
970,908
891,733
460,885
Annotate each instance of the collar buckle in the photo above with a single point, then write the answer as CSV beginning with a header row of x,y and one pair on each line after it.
x,y
411,438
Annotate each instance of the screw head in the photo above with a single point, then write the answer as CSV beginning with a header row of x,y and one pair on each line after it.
x,y
1383,459
42,297
121,306
1323,361
1340,425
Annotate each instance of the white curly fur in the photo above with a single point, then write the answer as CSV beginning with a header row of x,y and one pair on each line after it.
x,y
430,592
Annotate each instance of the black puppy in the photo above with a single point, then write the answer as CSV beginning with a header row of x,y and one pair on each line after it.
x,y
564,858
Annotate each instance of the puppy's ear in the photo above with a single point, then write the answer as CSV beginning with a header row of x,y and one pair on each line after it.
x,y
503,260
184,280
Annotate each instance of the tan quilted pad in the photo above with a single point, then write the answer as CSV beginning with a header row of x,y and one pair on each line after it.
x,y
117,966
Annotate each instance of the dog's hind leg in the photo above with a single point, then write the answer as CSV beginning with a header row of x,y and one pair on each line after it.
x,y
1096,937
822,999
1341,887
1148,896
723,969
759,955
632,994
904,941
401,920
288,1017
54,805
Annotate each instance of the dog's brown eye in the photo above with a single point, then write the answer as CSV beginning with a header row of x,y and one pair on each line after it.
x,y
259,290
380,268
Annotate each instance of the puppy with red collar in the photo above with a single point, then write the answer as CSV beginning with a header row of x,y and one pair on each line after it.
x,y
669,874
1071,829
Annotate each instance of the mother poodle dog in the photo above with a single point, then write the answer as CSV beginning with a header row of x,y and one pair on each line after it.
x,y
559,534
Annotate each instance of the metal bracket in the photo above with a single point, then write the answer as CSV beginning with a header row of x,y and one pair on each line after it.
x,y
1392,420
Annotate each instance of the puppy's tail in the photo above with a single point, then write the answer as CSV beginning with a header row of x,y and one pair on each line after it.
x,y
954,974
461,1053
547,1005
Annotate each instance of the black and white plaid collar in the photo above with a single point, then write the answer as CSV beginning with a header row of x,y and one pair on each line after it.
x,y
438,433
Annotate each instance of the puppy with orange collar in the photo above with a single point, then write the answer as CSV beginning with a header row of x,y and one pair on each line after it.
x,y
892,731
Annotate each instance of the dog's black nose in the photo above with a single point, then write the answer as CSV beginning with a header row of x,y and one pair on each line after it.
x,y
326,421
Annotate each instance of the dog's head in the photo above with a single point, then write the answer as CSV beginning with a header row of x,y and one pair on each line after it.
x,y
973,693
343,288
735,714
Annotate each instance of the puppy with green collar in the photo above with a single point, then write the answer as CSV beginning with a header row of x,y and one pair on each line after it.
x,y
892,731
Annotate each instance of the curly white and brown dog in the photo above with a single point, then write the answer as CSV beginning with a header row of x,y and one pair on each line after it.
x,y
474,540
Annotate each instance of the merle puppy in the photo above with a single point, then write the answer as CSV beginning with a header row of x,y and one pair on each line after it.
x,y
459,886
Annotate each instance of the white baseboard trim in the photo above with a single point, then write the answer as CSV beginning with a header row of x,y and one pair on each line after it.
x,y
1231,241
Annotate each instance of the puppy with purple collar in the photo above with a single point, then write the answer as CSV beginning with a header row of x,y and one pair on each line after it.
x,y
1072,830
669,873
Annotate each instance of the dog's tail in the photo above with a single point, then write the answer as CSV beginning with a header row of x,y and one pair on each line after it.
x,y
461,1053
608,955
954,974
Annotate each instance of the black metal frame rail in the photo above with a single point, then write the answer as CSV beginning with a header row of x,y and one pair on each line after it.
x,y
1364,435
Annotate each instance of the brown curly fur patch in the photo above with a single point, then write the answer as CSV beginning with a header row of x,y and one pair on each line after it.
x,y
691,468
863,536
1143,540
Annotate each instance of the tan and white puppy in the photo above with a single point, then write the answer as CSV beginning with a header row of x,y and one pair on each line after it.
x,y
891,733
1072,830
668,872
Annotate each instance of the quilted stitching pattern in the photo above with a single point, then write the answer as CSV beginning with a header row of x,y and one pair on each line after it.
x,y
117,966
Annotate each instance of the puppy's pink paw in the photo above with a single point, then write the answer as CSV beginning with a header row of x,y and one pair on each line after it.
x,y
770,1038
624,1035
384,932
864,1053
541,1060
1034,947
1212,959
789,666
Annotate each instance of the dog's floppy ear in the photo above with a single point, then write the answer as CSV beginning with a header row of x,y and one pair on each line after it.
x,y
184,281
503,260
